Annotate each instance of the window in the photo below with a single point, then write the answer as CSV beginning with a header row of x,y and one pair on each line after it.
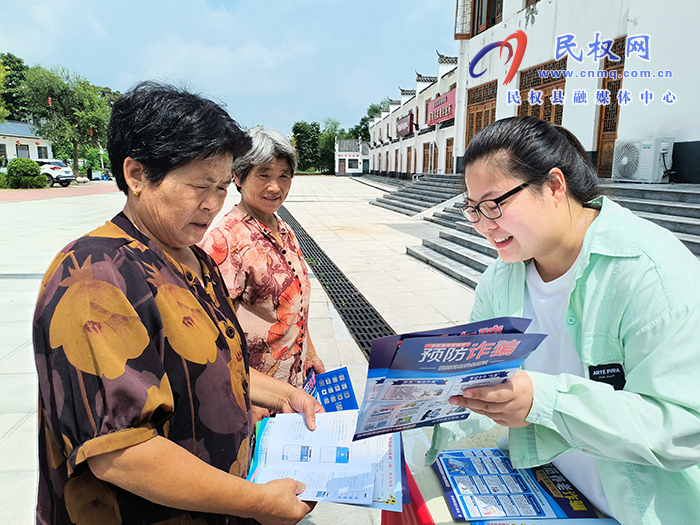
x,y
352,164
23,150
449,147
436,152
3,155
481,108
43,152
475,16
408,162
531,79
426,157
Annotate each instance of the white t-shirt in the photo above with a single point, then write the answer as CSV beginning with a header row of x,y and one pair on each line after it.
x,y
545,304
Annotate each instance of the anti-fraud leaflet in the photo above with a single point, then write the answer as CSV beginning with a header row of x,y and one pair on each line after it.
x,y
481,484
414,388
332,466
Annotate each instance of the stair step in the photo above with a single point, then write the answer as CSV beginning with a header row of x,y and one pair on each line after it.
x,y
460,272
689,193
393,207
687,225
463,255
678,209
473,242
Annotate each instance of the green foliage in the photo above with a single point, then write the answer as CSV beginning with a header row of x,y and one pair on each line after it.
x,y
3,180
23,173
3,110
12,93
17,182
22,167
326,145
306,137
78,114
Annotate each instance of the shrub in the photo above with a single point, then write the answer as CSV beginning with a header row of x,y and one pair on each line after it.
x,y
18,181
21,167
3,180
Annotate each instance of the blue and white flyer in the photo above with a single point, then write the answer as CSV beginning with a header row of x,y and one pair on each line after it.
x,y
413,376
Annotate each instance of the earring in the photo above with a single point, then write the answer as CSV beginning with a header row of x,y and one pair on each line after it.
x,y
136,193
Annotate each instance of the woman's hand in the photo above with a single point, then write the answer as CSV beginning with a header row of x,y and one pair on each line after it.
x,y
259,413
312,359
508,404
280,505
300,401
276,395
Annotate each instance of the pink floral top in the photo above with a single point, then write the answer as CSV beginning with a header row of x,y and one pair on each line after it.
x,y
270,288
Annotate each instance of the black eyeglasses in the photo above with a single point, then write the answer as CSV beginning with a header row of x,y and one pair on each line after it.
x,y
489,208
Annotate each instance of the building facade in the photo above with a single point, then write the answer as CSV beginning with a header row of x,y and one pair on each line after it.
x,y
608,70
17,139
351,157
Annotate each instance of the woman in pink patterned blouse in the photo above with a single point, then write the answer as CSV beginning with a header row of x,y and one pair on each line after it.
x,y
262,264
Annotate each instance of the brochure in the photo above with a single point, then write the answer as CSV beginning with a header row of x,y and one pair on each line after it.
x,y
332,389
481,484
411,377
333,468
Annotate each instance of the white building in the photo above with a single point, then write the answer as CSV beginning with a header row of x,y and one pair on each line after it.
x,y
17,139
605,69
351,157
416,135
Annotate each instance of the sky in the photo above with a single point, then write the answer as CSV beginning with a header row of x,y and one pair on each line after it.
x,y
270,62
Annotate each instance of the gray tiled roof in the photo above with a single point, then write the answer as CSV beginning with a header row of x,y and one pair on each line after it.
x,y
348,145
18,129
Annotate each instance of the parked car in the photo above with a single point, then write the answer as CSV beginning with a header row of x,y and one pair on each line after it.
x,y
56,171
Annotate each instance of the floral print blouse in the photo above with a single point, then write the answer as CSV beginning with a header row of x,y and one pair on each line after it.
x,y
270,288
129,344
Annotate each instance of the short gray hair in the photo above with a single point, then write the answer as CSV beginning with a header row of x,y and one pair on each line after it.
x,y
268,145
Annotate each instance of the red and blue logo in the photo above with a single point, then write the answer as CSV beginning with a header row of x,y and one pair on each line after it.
x,y
521,40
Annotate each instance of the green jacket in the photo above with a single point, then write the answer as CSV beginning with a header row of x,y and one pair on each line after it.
x,y
635,301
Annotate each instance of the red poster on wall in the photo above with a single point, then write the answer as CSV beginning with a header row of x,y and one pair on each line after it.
x,y
442,108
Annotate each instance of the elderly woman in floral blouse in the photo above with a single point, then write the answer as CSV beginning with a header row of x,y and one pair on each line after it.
x,y
262,264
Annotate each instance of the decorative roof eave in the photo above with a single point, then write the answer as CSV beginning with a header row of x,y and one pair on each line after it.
x,y
444,59
406,92
421,78
394,102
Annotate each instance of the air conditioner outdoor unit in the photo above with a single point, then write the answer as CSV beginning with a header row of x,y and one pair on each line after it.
x,y
642,160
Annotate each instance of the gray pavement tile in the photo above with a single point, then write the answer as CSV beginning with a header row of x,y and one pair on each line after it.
x,y
18,393
15,455
20,360
18,497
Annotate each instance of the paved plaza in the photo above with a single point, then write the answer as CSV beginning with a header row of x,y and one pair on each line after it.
x,y
366,242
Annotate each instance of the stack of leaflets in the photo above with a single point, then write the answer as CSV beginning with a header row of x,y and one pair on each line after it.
x,y
333,467
411,377
482,486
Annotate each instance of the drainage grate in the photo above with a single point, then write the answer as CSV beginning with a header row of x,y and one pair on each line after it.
x,y
362,320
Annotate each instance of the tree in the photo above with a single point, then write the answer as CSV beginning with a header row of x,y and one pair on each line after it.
x,y
3,111
361,130
326,145
306,136
69,109
12,94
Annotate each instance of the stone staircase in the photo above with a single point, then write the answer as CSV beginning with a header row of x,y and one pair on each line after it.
x,y
428,191
463,254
